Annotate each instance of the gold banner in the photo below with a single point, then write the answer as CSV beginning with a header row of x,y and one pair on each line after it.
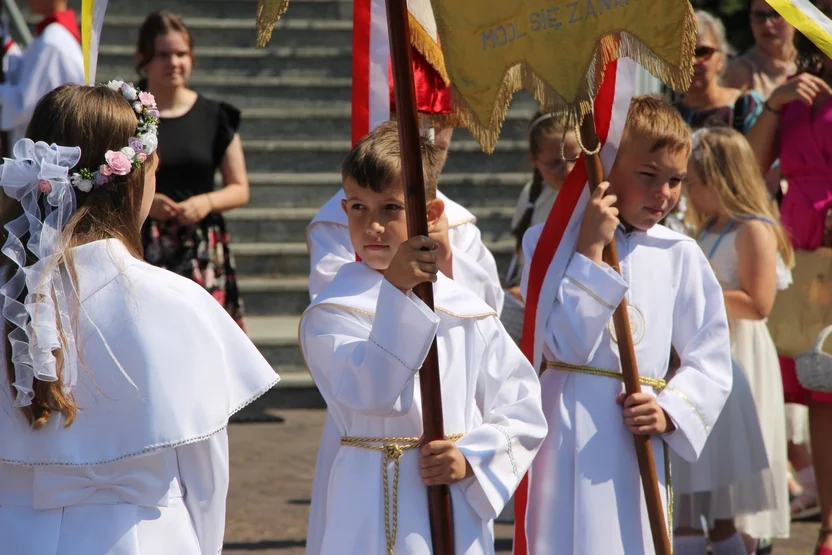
x,y
268,12
556,49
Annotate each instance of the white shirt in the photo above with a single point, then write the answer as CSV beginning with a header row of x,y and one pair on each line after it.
x,y
142,470
51,60
364,342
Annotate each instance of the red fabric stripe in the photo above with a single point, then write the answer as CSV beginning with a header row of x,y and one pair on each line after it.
x,y
550,239
65,18
360,69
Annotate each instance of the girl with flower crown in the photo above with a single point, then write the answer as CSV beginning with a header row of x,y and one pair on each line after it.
x,y
119,377
186,232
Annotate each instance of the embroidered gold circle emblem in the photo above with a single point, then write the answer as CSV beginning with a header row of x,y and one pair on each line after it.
x,y
638,326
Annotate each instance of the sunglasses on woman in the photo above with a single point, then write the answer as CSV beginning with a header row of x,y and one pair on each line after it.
x,y
760,17
704,53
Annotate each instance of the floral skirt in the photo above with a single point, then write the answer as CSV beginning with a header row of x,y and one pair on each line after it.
x,y
199,252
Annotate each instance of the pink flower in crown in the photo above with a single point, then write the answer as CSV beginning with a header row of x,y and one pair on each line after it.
x,y
147,99
119,163
153,113
105,170
141,156
45,187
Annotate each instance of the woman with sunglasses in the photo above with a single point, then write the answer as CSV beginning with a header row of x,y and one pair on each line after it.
x,y
707,102
771,61
796,126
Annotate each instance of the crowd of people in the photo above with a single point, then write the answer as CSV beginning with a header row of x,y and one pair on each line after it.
x,y
115,245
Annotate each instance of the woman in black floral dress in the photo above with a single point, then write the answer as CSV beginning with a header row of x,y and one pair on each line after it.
x,y
186,231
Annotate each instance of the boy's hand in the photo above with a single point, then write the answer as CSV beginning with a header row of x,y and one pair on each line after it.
x,y
411,265
443,464
438,231
643,415
599,223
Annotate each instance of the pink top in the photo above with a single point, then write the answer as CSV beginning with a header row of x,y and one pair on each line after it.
x,y
806,160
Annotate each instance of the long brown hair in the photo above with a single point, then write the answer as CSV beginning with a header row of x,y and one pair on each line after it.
x,y
96,119
158,24
727,165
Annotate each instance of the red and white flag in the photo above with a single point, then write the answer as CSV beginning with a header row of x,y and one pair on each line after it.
x,y
371,79
560,236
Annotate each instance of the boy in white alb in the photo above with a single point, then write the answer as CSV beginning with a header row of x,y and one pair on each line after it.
x,y
365,337
464,258
53,59
585,494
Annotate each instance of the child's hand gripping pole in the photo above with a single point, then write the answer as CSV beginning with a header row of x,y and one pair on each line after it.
x,y
629,367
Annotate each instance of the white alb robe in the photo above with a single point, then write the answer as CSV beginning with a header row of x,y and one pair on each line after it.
x,y
142,470
330,247
364,341
585,494
53,59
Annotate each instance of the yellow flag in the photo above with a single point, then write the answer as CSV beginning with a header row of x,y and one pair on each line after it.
x,y
557,49
807,19
92,21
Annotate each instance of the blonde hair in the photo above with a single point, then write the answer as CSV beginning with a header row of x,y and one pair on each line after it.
x,y
375,162
651,118
727,166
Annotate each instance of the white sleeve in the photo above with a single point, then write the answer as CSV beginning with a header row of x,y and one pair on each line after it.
x,y
330,248
501,450
203,470
369,373
698,391
475,267
42,69
587,297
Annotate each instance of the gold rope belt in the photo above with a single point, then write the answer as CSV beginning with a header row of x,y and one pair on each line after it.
x,y
656,383
391,448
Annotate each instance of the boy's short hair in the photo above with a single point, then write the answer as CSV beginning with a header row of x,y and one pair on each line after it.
x,y
651,118
375,162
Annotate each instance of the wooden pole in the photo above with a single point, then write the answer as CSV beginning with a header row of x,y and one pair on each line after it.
x,y
629,366
439,497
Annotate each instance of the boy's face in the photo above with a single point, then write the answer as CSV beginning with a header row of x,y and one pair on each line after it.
x,y
377,222
648,184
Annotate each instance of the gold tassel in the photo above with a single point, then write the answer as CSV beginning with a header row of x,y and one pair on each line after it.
x,y
609,48
427,47
268,12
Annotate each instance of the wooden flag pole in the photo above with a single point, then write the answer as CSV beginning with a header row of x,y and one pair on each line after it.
x,y
629,367
439,497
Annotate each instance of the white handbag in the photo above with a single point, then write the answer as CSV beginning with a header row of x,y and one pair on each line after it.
x,y
814,368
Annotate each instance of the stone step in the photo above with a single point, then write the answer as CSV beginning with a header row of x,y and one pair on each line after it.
x,y
276,337
262,225
314,189
326,156
310,61
290,31
234,9
268,92
277,295
292,259
334,122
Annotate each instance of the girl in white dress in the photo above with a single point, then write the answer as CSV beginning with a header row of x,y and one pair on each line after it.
x,y
750,254
553,153
119,378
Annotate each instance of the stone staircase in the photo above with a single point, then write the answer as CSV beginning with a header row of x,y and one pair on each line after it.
x,y
295,97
